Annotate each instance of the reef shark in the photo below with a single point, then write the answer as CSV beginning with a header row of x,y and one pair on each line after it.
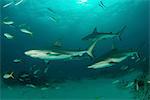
x,y
95,35
114,57
48,55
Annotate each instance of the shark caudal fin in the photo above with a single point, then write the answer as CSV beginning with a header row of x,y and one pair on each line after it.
x,y
90,49
139,49
121,31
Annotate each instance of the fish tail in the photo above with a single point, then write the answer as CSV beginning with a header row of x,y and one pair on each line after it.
x,y
90,49
11,75
139,49
120,32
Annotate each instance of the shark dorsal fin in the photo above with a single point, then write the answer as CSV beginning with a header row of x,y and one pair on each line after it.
x,y
95,31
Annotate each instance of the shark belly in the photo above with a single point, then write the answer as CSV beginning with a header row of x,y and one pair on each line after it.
x,y
107,63
117,60
101,64
106,37
60,57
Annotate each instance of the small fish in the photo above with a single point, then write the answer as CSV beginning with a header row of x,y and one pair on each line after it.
x,y
26,31
36,71
45,70
24,75
21,80
8,36
130,84
137,60
102,3
6,5
22,25
132,69
8,22
31,85
53,19
7,76
35,76
19,2
116,81
137,87
101,6
49,9
148,82
47,84
124,67
44,88
133,58
17,60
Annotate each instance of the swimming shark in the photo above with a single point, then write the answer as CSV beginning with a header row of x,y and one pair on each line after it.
x,y
114,57
48,55
95,35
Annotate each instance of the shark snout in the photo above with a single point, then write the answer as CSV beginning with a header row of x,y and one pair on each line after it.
x,y
31,53
27,53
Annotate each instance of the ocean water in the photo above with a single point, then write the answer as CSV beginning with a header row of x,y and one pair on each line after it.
x,y
61,24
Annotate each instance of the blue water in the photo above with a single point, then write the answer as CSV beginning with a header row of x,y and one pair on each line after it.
x,y
74,21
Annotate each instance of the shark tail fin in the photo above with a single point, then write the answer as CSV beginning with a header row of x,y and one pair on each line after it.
x,y
11,75
120,32
90,49
139,49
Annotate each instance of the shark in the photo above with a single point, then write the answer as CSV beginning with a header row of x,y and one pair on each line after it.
x,y
58,54
114,57
95,35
